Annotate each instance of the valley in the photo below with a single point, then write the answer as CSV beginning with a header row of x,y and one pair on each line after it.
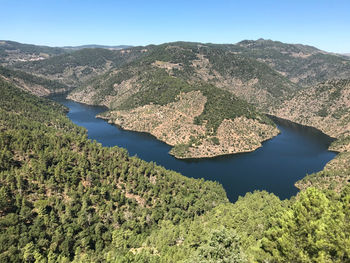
x,y
201,151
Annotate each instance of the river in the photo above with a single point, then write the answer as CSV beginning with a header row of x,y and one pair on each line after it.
x,y
275,167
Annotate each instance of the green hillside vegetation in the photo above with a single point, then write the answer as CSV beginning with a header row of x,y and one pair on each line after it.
x,y
77,68
31,81
74,67
65,198
63,195
223,65
304,65
160,88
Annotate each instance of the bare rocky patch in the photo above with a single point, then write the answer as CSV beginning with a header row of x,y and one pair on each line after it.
x,y
168,66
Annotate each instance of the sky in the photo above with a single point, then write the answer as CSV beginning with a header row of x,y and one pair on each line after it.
x,y
324,24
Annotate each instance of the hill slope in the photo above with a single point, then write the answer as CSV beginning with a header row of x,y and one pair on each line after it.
x,y
34,84
325,106
12,52
171,94
303,65
75,67
64,196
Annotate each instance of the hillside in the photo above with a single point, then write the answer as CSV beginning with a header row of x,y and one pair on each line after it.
x,y
12,52
171,94
36,85
75,67
301,64
65,198
325,106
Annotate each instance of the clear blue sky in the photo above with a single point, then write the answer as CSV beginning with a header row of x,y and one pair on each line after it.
x,y
324,24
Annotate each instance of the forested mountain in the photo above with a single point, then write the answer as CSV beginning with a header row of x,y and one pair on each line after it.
x,y
178,83
12,52
301,64
73,68
144,94
65,198
34,84
194,62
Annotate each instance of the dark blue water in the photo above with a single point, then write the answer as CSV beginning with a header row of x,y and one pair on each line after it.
x,y
275,167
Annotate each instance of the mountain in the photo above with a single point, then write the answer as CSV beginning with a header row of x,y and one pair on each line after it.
x,y
34,84
12,52
195,85
97,46
75,67
301,64
325,106
142,86
64,198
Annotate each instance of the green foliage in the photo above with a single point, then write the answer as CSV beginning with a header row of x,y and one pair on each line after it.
x,y
242,224
157,88
67,198
314,229
180,149
222,105
222,246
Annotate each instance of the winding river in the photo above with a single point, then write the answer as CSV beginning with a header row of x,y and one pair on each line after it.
x,y
275,167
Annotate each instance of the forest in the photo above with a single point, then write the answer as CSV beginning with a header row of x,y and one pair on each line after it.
x,y
65,198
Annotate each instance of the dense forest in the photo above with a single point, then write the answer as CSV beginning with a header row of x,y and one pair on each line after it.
x,y
65,198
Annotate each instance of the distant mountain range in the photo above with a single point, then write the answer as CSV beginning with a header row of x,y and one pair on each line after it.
x,y
97,46
208,83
